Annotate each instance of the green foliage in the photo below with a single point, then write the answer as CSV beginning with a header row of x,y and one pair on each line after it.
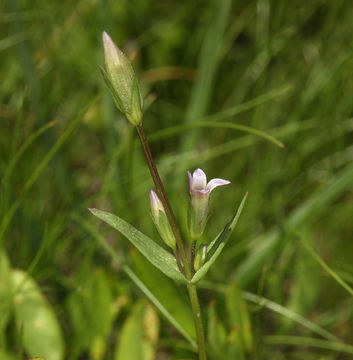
x,y
159,257
139,334
170,297
36,323
219,80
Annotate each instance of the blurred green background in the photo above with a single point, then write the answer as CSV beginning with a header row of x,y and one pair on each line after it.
x,y
281,67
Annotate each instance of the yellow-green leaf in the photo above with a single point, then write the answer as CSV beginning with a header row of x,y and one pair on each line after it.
x,y
139,335
36,322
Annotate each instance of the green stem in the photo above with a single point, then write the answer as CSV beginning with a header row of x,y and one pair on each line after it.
x,y
163,196
195,305
200,337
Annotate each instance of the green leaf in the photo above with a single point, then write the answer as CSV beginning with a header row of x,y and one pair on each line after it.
x,y
7,356
219,243
239,318
171,300
216,334
39,328
139,335
5,281
99,303
159,257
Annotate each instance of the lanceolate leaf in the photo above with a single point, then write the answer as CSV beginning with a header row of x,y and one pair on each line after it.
x,y
159,257
219,243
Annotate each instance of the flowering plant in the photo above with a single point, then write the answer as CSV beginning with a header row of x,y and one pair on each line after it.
x,y
187,264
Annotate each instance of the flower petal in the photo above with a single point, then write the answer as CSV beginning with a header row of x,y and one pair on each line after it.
x,y
216,182
199,180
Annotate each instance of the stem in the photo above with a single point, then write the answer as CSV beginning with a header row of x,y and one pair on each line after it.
x,y
197,320
179,241
163,196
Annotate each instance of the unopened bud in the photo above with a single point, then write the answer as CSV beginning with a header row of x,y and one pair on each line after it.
x,y
161,221
122,82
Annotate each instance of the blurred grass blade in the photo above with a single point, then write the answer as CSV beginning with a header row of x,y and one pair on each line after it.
x,y
35,320
5,294
210,124
239,317
139,335
216,333
219,243
267,245
209,59
310,342
332,273
159,257
11,41
39,169
167,293
214,120
279,309
275,307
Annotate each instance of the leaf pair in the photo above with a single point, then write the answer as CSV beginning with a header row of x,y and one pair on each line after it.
x,y
161,258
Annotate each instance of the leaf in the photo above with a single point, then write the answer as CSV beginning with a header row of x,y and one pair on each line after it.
x,y
139,335
5,280
219,243
216,333
169,297
91,313
239,318
154,253
168,312
7,356
39,328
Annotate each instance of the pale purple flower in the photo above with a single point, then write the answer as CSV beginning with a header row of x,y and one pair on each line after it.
x,y
198,182
200,192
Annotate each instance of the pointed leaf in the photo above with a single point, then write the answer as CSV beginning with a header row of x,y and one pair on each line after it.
x,y
154,253
218,244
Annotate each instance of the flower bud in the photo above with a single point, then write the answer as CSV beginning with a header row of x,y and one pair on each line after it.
x,y
122,82
200,257
200,192
161,221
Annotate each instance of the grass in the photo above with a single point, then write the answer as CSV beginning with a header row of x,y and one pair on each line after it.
x,y
215,75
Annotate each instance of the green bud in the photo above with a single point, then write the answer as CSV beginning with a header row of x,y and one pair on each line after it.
x,y
122,82
161,221
200,257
